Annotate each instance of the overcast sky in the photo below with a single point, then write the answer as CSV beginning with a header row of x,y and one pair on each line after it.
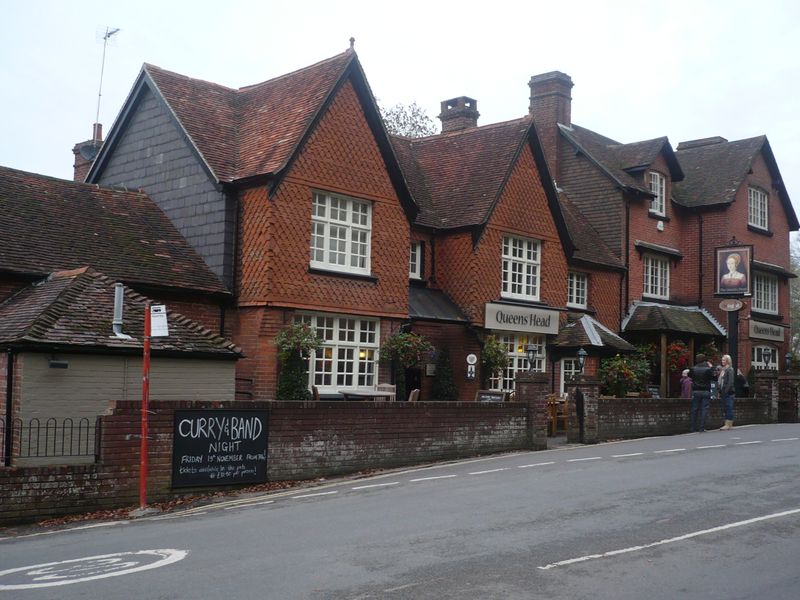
x,y
682,69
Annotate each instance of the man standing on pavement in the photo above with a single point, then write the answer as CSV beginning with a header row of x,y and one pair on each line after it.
x,y
701,374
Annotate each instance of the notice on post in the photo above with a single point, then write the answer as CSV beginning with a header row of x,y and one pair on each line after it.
x,y
219,447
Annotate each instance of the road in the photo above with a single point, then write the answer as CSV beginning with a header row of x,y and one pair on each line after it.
x,y
711,515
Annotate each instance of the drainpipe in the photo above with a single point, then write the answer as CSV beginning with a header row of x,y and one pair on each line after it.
x,y
701,261
627,252
9,432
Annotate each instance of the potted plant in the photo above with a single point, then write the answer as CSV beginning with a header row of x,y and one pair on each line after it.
x,y
295,345
404,350
494,358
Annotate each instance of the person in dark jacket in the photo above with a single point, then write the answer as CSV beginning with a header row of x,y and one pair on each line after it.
x,y
726,391
701,374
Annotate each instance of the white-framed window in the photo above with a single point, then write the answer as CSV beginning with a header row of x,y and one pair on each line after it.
x,y
658,186
348,357
757,208
759,357
765,293
570,367
656,276
341,231
576,289
517,348
415,261
521,262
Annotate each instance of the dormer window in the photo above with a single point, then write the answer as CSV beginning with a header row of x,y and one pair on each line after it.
x,y
658,186
757,208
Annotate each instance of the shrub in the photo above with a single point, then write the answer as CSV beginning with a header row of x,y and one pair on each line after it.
x,y
494,357
444,388
404,350
295,344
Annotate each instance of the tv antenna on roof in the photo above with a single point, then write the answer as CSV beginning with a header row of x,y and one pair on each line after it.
x,y
106,36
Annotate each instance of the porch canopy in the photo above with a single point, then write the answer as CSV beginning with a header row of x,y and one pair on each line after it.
x,y
591,335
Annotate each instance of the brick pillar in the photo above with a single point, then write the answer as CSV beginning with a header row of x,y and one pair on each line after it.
x,y
787,393
532,388
589,387
766,384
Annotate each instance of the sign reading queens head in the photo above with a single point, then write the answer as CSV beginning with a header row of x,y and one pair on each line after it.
x,y
507,317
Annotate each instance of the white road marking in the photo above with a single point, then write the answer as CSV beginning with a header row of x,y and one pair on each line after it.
x,y
541,464
89,568
489,471
679,538
250,504
80,527
313,495
626,455
432,478
712,446
374,485
583,459
666,451
786,440
746,443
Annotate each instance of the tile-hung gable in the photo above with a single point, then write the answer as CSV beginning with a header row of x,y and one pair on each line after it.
x,y
458,179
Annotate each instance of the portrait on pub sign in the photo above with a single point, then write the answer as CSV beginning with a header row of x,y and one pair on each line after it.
x,y
733,270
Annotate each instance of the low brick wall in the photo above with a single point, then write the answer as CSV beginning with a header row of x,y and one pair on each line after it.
x,y
627,418
306,440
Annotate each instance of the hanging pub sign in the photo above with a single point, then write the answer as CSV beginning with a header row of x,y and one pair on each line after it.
x,y
733,270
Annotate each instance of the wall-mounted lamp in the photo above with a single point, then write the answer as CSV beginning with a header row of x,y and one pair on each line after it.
x,y
582,354
55,363
788,360
767,358
531,352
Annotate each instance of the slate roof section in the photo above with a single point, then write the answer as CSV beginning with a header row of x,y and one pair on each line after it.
x,y
589,246
619,161
255,129
433,305
588,333
716,168
651,316
73,311
49,224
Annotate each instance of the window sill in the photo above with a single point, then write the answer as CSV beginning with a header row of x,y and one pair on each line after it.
x,y
577,306
342,274
658,216
759,230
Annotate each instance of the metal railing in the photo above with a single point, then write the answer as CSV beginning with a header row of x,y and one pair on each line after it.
x,y
50,437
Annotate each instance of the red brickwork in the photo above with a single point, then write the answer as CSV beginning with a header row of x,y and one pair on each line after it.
x,y
460,342
347,437
340,156
472,276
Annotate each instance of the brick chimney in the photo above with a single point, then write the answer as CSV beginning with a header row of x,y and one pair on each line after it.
x,y
459,113
551,104
85,153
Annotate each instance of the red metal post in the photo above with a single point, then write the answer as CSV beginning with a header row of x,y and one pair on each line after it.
x,y
145,398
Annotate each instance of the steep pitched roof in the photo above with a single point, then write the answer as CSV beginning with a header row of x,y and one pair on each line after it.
x,y
619,161
652,316
74,309
457,178
48,224
255,131
715,169
587,332
589,246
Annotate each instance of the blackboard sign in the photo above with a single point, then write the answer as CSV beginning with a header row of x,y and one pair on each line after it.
x,y
219,447
490,396
654,391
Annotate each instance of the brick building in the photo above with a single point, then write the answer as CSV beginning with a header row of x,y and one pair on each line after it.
x,y
664,214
